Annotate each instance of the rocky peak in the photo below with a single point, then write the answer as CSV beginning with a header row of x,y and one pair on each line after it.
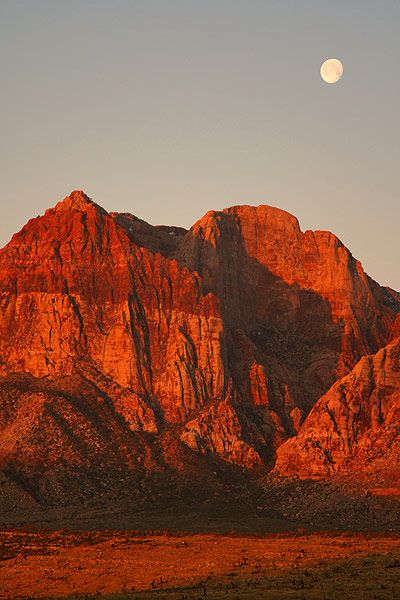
x,y
276,218
77,201
260,223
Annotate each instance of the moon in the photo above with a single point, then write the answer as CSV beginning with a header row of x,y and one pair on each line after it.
x,y
331,70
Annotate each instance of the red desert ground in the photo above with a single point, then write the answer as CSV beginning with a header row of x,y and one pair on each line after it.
x,y
208,413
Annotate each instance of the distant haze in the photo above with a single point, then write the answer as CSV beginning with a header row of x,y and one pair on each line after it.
x,y
170,108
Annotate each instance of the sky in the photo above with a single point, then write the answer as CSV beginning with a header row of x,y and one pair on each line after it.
x,y
170,108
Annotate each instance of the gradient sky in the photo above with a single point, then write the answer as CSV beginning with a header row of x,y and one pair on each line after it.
x,y
169,108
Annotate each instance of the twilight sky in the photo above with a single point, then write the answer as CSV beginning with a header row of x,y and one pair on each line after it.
x,y
170,108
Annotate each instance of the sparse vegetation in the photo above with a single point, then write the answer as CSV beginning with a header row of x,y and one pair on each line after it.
x,y
128,565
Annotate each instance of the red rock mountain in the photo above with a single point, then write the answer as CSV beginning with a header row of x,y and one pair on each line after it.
x,y
132,349
298,309
354,427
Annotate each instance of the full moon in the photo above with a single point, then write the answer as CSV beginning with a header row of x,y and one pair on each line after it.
x,y
331,70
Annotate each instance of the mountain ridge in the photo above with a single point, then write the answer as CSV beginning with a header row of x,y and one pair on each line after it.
x,y
207,348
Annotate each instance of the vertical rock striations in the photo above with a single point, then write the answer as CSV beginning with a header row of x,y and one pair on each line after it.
x,y
75,285
298,309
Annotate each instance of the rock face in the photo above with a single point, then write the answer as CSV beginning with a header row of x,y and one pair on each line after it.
x,y
142,349
75,285
298,309
354,427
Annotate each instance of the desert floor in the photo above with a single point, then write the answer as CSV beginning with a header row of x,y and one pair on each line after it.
x,y
50,564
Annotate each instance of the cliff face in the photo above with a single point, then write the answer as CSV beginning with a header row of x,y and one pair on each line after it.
x,y
220,339
298,309
354,427
74,284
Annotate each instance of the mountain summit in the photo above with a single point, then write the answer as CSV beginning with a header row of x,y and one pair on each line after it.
x,y
76,200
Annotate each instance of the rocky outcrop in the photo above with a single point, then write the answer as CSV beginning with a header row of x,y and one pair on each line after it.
x,y
266,269
139,348
298,309
354,427
75,285
218,431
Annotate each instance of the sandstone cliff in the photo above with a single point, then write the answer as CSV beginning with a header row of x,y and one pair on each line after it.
x,y
298,309
354,427
74,284
127,348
